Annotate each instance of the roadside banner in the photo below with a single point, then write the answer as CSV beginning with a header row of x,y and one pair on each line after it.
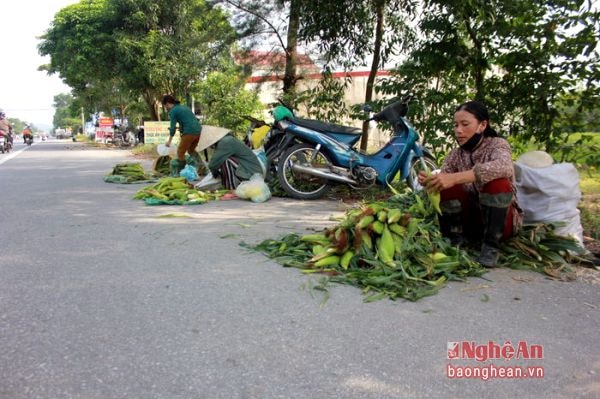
x,y
105,122
158,132
105,130
104,133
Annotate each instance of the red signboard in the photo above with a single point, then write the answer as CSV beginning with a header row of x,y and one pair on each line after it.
x,y
105,122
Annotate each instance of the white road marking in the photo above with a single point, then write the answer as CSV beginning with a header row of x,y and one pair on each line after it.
x,y
12,155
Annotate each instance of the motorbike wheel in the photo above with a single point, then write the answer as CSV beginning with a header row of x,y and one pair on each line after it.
x,y
302,185
415,167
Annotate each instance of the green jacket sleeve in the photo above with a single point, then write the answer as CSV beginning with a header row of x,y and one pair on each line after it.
x,y
222,152
229,146
173,119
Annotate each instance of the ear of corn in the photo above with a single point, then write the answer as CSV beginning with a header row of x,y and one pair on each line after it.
x,y
365,221
396,228
315,238
394,215
397,243
346,258
366,239
434,200
439,257
382,216
386,248
328,261
318,249
377,227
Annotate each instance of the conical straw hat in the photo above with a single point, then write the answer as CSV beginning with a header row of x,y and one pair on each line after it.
x,y
210,135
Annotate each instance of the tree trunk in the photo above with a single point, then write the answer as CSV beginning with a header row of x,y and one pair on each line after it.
x,y
379,11
150,100
479,62
291,51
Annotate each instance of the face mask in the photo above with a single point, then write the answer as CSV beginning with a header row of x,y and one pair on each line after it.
x,y
472,143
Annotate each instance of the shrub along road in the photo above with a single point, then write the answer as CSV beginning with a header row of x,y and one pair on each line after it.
x,y
104,297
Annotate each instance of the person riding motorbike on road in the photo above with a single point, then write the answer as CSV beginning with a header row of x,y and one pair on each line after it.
x,y
27,133
6,128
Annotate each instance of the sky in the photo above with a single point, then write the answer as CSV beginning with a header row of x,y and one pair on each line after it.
x,y
25,92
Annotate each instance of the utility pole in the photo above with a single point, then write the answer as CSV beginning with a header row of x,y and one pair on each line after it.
x,y
82,122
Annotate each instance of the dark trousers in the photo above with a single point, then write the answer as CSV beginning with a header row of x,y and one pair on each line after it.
x,y
473,214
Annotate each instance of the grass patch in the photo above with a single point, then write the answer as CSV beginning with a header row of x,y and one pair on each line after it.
x,y
590,203
147,150
589,182
590,216
84,138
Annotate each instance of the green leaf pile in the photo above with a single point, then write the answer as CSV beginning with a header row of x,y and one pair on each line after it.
x,y
394,249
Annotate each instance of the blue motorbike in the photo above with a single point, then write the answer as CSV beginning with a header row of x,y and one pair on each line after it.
x,y
311,156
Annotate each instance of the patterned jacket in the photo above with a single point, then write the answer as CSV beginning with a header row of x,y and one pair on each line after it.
x,y
491,160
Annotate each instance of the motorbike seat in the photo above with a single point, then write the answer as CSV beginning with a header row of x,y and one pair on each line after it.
x,y
325,127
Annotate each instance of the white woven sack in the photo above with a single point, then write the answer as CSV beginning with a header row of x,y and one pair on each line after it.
x,y
550,194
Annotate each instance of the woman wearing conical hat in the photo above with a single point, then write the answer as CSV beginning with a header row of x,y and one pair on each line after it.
x,y
232,160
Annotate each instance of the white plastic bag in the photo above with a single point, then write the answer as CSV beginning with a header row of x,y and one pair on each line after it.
x,y
550,194
208,182
163,150
254,189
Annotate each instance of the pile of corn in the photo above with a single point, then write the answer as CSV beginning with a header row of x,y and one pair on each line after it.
x,y
129,172
394,249
538,248
390,249
176,191
162,165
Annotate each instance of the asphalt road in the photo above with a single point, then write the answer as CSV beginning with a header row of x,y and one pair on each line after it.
x,y
101,297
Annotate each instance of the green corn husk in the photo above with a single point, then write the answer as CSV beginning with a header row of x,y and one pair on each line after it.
x,y
423,260
538,247
128,173
411,273
176,191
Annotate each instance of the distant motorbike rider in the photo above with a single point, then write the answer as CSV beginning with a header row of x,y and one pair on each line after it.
x,y
6,128
27,133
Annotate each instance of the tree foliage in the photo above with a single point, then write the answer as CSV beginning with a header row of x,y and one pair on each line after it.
x,y
224,101
519,57
348,33
119,50
66,114
276,22
534,62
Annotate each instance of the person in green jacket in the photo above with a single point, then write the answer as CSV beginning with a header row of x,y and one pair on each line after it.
x,y
231,160
189,128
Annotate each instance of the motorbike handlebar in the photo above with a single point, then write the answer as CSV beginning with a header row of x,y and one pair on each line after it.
x,y
392,112
257,122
